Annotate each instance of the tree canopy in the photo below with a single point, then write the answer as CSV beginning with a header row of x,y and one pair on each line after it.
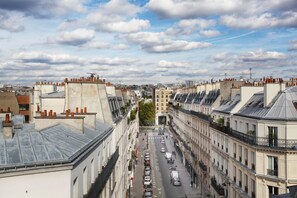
x,y
147,113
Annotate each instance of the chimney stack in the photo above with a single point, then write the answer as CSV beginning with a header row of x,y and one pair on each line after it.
x,y
7,127
85,110
76,110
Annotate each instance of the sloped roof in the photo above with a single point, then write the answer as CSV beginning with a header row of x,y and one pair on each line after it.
x,y
281,107
57,144
60,94
229,104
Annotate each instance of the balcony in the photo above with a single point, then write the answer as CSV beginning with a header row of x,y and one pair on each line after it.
x,y
101,180
272,172
256,141
218,188
202,166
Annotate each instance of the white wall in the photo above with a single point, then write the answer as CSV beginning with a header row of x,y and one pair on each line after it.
x,y
46,185
55,104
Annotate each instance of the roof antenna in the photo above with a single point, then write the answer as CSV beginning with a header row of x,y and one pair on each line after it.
x,y
250,73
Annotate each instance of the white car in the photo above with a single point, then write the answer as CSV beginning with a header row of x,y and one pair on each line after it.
x,y
162,150
147,182
163,141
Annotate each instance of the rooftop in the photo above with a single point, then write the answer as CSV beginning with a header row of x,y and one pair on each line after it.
x,y
57,144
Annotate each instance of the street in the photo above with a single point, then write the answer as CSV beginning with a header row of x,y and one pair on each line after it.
x,y
162,188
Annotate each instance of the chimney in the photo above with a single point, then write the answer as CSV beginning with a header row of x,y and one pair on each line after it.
x,y
7,128
271,90
85,110
76,110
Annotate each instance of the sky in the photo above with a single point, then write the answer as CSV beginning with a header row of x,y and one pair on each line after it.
x,y
147,41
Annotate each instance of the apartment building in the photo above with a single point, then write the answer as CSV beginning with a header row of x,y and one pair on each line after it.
x,y
81,151
161,99
258,128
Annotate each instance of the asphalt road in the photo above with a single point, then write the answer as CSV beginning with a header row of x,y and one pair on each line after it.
x,y
163,167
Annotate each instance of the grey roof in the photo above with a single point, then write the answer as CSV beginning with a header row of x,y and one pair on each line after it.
x,y
229,104
60,94
199,97
57,144
211,97
281,107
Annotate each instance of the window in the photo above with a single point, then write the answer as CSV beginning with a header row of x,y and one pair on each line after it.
x,y
254,129
272,166
246,183
240,178
234,150
75,188
240,153
247,127
273,190
246,155
253,159
272,136
234,174
253,187
235,124
92,171
85,181
24,107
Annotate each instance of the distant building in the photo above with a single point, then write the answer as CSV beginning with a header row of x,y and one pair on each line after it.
x,y
161,99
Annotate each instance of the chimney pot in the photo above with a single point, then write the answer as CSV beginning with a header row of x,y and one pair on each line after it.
x,y
72,114
85,110
51,113
67,114
8,109
45,113
1,110
38,108
7,118
76,110
81,111
55,114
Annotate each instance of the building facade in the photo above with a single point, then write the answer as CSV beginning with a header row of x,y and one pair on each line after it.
x,y
161,100
81,151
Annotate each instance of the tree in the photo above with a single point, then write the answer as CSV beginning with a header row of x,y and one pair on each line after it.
x,y
146,113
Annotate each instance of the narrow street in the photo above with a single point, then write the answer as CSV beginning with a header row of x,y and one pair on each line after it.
x,y
162,188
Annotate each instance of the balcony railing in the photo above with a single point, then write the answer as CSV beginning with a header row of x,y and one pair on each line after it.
x,y
272,172
254,140
202,166
101,180
218,188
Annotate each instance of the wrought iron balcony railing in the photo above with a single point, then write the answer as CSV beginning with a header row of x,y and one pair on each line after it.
x,y
202,166
272,172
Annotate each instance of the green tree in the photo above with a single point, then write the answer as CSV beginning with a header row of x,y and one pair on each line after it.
x,y
147,113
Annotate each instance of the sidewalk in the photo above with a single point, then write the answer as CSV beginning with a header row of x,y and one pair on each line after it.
x,y
191,192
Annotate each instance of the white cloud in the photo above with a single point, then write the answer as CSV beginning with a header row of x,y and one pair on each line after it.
x,y
113,61
189,26
169,64
158,42
209,33
103,45
261,56
76,37
11,21
266,20
191,8
117,16
134,25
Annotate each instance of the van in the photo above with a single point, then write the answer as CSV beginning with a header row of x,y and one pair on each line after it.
x,y
175,178
168,156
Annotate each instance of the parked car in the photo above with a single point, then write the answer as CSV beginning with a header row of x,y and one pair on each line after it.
x,y
147,173
147,163
163,150
162,141
147,193
146,154
147,181
147,168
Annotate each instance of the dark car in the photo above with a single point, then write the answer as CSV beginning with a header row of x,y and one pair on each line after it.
x,y
147,163
147,173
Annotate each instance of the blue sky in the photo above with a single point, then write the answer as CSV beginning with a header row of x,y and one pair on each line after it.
x,y
147,41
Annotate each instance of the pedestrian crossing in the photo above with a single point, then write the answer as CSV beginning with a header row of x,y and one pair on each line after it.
x,y
154,137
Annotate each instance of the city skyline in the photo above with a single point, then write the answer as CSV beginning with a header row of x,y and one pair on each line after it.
x,y
136,42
